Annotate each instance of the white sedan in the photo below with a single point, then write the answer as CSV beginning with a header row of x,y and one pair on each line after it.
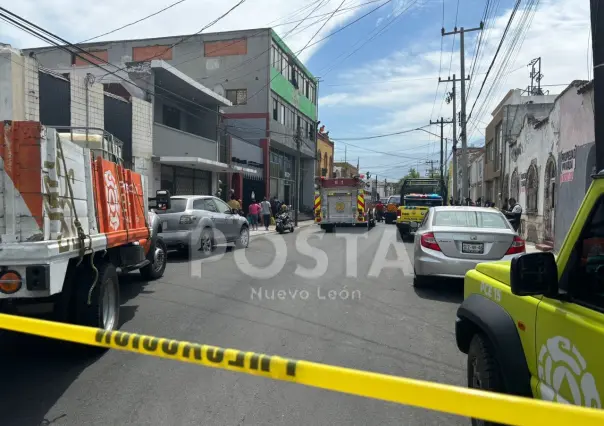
x,y
454,239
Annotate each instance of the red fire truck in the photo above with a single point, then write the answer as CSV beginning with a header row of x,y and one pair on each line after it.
x,y
341,202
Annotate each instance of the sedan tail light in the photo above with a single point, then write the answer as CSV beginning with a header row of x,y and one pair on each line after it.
x,y
427,240
517,246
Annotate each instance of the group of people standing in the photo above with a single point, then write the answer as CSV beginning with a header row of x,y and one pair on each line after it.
x,y
259,213
262,212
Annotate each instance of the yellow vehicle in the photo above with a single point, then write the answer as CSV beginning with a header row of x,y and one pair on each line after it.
x,y
412,211
535,326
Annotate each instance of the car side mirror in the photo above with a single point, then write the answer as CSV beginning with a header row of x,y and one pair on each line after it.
x,y
534,274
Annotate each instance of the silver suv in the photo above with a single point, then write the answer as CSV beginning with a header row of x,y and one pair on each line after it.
x,y
201,222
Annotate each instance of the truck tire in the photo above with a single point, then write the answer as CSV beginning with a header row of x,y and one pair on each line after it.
x,y
158,258
103,311
483,370
104,308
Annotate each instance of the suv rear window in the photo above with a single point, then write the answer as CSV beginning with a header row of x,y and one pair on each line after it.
x,y
179,205
470,219
395,199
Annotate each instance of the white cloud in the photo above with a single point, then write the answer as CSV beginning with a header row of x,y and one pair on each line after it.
x,y
77,20
398,93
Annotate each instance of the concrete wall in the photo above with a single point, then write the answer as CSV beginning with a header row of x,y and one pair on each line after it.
x,y
576,133
19,91
534,146
91,114
176,143
250,129
249,71
142,139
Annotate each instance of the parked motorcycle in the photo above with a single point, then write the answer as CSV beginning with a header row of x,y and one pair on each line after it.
x,y
283,223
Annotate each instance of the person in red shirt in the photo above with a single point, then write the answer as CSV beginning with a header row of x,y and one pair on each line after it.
x,y
379,208
254,211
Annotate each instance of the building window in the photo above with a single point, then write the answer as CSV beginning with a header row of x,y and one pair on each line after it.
x,y
237,96
171,116
275,110
532,189
281,113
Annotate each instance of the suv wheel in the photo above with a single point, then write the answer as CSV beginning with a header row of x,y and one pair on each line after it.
x,y
483,370
244,237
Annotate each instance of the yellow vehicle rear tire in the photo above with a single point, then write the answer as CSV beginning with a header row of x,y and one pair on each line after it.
x,y
483,370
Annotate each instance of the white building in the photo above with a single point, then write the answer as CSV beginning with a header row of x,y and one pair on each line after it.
x,y
549,164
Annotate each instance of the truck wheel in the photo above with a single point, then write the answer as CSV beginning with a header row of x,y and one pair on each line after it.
x,y
104,308
483,370
158,259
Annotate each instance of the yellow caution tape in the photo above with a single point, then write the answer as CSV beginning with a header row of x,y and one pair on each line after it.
x,y
466,402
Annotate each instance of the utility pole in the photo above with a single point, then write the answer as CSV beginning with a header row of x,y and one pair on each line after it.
x,y
298,144
377,194
597,45
452,98
442,123
464,134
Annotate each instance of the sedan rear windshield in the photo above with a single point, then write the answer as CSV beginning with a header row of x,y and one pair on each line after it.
x,y
471,219
179,205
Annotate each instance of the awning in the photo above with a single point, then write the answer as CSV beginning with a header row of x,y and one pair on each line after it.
x,y
205,164
177,82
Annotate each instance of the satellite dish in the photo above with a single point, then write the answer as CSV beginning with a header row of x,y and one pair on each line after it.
x,y
219,90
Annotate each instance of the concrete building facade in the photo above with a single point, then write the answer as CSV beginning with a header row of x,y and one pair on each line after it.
x,y
325,152
549,163
503,128
173,156
271,95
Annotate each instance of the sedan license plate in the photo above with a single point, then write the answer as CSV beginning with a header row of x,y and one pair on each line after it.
x,y
473,248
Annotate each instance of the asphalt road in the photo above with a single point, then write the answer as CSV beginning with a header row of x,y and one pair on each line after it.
x,y
384,325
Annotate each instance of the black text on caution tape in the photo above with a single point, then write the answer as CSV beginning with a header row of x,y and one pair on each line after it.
x,y
194,352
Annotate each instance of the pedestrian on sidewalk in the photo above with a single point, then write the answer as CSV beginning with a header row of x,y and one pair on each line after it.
x,y
234,204
254,210
265,209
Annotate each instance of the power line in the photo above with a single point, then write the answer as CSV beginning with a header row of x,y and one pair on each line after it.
x,y
380,32
324,23
89,56
170,6
322,39
185,38
402,132
296,54
505,32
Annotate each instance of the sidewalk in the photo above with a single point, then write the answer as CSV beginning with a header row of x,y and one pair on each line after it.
x,y
271,230
532,248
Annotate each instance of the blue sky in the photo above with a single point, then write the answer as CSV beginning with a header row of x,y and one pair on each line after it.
x,y
388,85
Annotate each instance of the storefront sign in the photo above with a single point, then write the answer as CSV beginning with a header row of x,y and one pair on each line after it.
x,y
567,167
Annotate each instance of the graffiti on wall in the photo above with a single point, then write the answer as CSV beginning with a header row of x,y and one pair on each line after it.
x,y
567,166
